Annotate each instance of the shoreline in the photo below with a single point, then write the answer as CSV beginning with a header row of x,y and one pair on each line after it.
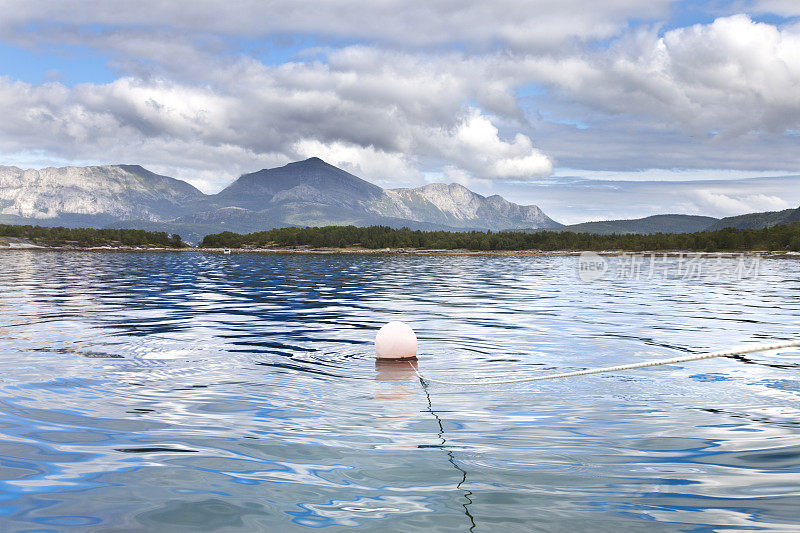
x,y
398,251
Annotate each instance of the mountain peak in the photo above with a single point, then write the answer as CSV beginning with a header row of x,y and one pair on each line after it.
x,y
139,170
311,181
441,186
310,162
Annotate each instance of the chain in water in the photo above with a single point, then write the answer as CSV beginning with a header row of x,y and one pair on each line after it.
x,y
644,364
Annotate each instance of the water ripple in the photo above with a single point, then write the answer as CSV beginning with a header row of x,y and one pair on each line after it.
x,y
207,392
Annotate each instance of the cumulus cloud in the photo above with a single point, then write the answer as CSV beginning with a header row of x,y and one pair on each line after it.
x,y
731,77
475,146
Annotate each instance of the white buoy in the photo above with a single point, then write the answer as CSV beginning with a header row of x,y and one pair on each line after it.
x,y
396,340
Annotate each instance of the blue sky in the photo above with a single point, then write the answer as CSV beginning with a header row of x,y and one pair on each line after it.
x,y
68,65
506,97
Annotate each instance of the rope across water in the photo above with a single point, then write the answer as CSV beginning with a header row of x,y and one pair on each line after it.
x,y
644,364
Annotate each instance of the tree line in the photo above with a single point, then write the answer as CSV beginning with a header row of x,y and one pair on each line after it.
x,y
91,236
784,237
775,238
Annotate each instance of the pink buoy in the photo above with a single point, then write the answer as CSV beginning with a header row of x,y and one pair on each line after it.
x,y
396,340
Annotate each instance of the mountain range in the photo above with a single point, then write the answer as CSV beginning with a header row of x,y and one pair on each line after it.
x,y
305,193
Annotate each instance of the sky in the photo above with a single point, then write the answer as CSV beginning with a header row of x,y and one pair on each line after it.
x,y
673,105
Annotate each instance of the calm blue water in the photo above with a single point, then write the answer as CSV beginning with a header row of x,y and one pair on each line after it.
x,y
202,392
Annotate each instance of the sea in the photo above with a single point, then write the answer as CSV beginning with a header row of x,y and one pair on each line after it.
x,y
190,391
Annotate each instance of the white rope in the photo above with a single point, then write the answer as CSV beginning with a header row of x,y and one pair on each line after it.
x,y
659,362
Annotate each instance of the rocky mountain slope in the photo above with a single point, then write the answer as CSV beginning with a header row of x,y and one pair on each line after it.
x,y
106,192
456,206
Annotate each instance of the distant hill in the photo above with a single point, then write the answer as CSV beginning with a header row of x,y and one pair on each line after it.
x,y
758,220
647,225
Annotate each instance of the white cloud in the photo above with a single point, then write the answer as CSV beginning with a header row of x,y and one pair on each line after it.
x,y
475,146
732,77
709,201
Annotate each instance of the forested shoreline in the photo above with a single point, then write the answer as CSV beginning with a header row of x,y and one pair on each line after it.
x,y
86,237
776,238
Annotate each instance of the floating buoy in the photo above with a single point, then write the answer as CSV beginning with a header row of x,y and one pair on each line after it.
x,y
396,340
